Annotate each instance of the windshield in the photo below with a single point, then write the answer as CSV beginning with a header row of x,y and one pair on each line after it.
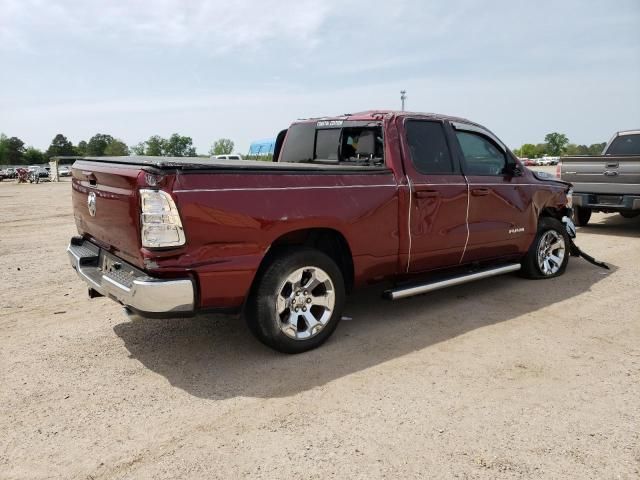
x,y
625,145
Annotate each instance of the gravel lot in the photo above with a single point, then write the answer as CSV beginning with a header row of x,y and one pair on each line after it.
x,y
505,378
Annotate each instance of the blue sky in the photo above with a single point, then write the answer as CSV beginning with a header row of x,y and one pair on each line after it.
x,y
246,69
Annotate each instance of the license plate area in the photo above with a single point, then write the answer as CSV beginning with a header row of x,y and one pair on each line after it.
x,y
108,263
609,199
117,270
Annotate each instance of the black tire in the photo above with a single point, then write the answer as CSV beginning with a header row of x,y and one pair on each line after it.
x,y
531,267
261,315
630,213
581,216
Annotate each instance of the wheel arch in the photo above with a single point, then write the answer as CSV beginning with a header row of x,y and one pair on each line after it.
x,y
327,240
553,212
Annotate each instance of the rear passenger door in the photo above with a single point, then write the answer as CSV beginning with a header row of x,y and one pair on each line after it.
x,y
438,196
500,216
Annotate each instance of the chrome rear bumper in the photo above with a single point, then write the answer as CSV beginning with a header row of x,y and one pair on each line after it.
x,y
114,278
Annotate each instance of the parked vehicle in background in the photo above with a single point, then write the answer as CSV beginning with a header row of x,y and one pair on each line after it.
x,y
226,157
10,172
546,161
38,171
421,200
528,162
64,171
606,183
22,175
3,175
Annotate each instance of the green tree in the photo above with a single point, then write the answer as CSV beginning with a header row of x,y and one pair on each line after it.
x,y
60,146
155,146
596,148
98,144
3,149
541,150
15,151
33,156
556,143
81,149
117,148
179,146
222,146
138,148
528,150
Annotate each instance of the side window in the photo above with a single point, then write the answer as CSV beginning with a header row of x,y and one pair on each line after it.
x,y
481,155
428,146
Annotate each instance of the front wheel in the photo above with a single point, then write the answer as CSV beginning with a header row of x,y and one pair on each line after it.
x,y
297,302
548,255
630,213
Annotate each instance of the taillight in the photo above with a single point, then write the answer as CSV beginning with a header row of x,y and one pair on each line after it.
x,y
160,220
558,169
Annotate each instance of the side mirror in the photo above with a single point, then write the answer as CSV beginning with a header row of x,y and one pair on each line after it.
x,y
513,169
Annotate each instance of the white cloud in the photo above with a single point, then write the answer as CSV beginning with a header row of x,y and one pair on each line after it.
x,y
217,25
244,68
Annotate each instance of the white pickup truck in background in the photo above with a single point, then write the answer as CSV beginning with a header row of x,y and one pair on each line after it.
x,y
606,183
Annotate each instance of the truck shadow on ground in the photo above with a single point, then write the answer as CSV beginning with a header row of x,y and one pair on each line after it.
x,y
217,358
613,224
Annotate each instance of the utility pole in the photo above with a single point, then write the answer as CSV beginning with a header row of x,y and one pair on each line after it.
x,y
403,97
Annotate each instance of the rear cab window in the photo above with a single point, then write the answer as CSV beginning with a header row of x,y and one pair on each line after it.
x,y
338,142
625,145
428,147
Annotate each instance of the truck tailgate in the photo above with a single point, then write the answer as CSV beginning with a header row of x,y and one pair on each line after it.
x,y
106,207
603,174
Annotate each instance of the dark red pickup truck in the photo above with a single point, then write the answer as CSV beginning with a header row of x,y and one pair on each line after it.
x,y
420,200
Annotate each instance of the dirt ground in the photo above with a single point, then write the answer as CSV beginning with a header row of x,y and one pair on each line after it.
x,y
505,378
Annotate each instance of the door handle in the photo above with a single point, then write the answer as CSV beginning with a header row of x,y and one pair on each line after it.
x,y
479,192
427,193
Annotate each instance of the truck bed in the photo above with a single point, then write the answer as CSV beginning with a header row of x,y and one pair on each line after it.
x,y
197,163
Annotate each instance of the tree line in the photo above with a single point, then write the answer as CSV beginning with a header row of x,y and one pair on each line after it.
x,y
556,145
13,151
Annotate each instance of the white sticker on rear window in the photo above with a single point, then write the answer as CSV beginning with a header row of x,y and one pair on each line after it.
x,y
330,123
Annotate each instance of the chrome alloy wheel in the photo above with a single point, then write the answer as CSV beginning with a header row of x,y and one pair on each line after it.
x,y
305,302
551,252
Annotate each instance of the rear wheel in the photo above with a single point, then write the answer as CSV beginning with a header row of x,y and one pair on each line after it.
x,y
581,216
549,253
297,302
630,213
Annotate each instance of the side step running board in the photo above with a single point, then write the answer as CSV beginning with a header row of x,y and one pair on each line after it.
x,y
409,291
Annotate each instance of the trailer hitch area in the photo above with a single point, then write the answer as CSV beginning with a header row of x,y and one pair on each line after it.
x,y
574,249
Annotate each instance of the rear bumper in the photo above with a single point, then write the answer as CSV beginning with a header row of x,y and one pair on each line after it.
x,y
606,203
114,278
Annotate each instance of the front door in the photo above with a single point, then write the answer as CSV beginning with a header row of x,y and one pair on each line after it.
x,y
438,202
501,220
